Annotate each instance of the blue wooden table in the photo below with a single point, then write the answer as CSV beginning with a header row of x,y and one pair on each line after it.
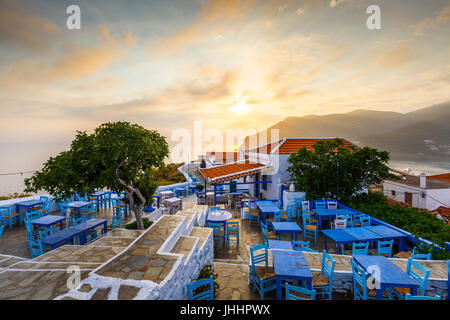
x,y
389,234
280,245
328,213
47,221
68,234
286,227
28,205
386,274
362,234
339,236
266,207
78,205
290,265
98,195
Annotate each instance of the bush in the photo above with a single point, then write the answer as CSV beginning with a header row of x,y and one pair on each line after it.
x,y
133,225
419,223
15,195
199,187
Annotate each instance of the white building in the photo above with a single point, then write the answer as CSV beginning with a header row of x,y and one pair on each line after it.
x,y
424,192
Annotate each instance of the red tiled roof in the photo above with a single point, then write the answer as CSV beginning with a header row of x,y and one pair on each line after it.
x,y
442,177
292,145
231,171
443,211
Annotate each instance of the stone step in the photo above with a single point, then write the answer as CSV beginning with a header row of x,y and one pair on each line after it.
x,y
184,245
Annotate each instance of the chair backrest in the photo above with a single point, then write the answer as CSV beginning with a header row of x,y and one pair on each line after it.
x,y
300,245
232,226
29,229
290,209
74,220
264,233
306,217
385,247
258,257
279,204
116,221
204,294
299,293
347,217
360,248
214,208
359,281
332,205
47,231
298,202
340,223
365,220
5,210
320,204
64,209
277,216
36,248
328,264
412,270
91,208
422,256
410,297
305,205
33,215
215,226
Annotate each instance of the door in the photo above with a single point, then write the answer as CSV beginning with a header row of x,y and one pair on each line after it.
x,y
408,198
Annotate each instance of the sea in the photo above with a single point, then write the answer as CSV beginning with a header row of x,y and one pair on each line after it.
x,y
16,164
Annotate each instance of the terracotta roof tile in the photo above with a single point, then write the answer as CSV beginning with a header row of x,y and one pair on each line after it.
x,y
231,171
442,177
292,145
443,211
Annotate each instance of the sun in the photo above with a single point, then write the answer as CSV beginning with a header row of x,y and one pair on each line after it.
x,y
239,107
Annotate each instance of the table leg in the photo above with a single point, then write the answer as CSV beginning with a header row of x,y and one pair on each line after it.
x,y
379,293
278,281
309,282
413,291
324,241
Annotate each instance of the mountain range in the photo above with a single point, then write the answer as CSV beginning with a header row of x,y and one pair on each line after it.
x,y
421,135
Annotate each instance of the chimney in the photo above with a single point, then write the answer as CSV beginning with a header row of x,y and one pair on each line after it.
x,y
423,181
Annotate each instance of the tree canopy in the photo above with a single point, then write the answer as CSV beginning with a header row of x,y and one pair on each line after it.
x,y
335,170
118,156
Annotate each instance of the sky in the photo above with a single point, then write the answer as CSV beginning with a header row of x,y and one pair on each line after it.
x,y
231,64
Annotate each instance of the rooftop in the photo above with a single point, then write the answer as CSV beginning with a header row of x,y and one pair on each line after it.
x,y
431,183
231,171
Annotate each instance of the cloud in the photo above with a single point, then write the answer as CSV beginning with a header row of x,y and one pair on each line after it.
x,y
28,31
334,3
397,56
442,18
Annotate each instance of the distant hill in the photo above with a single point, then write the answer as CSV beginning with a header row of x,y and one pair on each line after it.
x,y
421,133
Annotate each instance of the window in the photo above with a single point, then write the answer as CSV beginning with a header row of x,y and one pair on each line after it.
x,y
393,193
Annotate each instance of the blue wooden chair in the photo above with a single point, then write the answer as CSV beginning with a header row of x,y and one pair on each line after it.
x,y
416,271
211,209
263,276
323,281
33,215
421,256
253,214
320,204
298,207
410,297
360,290
74,220
116,222
91,211
384,249
106,201
285,215
193,289
298,245
361,220
310,227
233,232
266,234
46,205
218,233
299,293
332,205
119,206
360,248
12,217
2,226
47,231
36,248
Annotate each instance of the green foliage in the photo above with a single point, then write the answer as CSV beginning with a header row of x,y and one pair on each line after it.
x,y
419,223
206,272
199,187
332,163
118,156
168,174
133,225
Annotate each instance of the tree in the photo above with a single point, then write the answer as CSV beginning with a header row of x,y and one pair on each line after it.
x,y
118,156
338,171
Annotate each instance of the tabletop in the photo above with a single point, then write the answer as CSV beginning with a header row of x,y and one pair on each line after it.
x,y
266,206
78,204
338,235
99,193
362,234
280,245
70,232
332,212
29,203
172,200
389,272
47,220
286,227
386,232
290,264
166,192
219,216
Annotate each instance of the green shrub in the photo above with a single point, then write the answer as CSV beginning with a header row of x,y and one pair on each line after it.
x,y
418,222
15,195
199,187
133,226
206,272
